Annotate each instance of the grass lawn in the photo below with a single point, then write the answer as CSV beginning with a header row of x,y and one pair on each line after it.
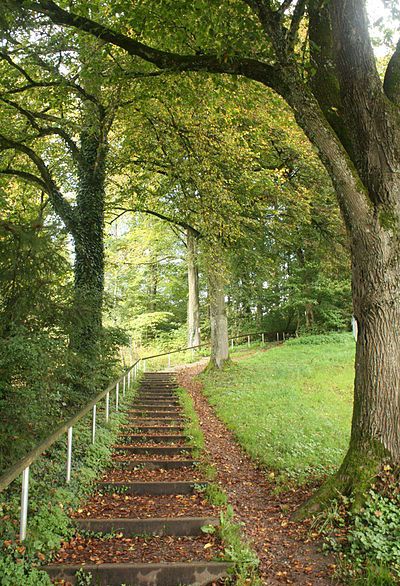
x,y
290,406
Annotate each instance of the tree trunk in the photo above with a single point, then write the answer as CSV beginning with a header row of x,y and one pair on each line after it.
x,y
89,250
375,431
375,255
193,309
219,322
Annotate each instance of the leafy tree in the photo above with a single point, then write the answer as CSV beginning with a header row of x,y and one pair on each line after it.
x,y
145,278
318,56
35,292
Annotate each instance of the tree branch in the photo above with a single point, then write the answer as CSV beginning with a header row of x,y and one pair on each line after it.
x,y
59,203
391,84
298,14
163,217
30,177
46,131
32,83
251,68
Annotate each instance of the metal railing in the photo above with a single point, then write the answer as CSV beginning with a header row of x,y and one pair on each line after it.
x,y
22,467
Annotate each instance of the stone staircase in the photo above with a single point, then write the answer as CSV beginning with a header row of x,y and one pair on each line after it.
x,y
143,525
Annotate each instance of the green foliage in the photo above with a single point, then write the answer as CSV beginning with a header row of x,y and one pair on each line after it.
x,y
83,578
50,500
237,550
317,340
374,575
192,426
14,572
374,535
290,406
146,282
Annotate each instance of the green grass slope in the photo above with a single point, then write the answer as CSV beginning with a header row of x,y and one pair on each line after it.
x,y
290,406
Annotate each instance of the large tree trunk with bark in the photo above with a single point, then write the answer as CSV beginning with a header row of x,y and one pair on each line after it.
x,y
193,309
89,250
375,431
375,254
219,323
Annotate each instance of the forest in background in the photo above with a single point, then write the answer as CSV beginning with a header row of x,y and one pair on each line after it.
x,y
174,173
113,193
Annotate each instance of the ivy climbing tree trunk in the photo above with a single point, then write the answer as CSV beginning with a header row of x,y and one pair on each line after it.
x,y
89,247
219,322
193,310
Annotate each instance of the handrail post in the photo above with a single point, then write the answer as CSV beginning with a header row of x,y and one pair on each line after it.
x,y
69,454
263,338
107,407
129,379
94,424
116,396
144,365
123,386
232,343
169,360
248,341
24,503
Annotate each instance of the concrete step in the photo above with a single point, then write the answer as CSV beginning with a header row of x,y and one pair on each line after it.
x,y
155,406
157,395
155,428
154,464
161,574
157,400
157,414
154,450
152,488
176,526
155,421
159,439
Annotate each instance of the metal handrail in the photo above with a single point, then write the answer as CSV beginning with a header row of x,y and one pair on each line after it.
x,y
284,336
16,469
23,465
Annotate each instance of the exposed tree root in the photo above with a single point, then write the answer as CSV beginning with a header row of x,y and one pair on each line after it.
x,y
213,365
354,478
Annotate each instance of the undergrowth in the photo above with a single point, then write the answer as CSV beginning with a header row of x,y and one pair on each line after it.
x,y
51,500
367,543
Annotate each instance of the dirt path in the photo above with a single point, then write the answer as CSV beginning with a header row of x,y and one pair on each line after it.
x,y
288,551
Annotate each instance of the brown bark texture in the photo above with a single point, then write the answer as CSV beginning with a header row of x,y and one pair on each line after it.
x,y
193,309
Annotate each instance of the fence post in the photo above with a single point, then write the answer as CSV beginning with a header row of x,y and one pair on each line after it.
x,y
123,386
94,424
277,336
232,343
69,454
107,407
116,396
284,336
263,338
248,340
24,503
